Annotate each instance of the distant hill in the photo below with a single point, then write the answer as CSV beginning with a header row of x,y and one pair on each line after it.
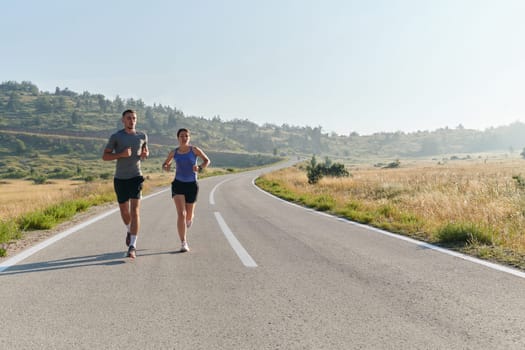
x,y
66,121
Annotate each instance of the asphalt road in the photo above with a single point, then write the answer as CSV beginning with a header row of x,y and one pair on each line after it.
x,y
262,274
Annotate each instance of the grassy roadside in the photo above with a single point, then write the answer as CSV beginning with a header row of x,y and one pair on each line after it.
x,y
44,206
474,208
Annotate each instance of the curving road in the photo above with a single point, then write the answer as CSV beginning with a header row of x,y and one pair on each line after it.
x,y
262,274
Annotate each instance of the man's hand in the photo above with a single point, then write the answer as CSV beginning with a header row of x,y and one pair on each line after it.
x,y
143,155
126,153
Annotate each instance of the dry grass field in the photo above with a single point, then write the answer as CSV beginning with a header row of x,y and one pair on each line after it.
x,y
421,198
19,197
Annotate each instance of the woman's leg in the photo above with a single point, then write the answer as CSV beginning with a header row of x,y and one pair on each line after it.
x,y
180,204
190,208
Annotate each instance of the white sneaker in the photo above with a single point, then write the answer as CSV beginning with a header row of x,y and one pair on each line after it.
x,y
184,247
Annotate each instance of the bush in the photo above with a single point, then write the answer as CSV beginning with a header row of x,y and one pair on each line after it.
x,y
393,165
520,181
315,171
39,180
14,173
59,173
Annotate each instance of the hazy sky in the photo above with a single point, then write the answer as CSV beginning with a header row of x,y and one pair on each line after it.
x,y
345,65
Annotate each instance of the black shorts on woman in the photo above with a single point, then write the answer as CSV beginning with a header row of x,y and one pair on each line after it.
x,y
188,189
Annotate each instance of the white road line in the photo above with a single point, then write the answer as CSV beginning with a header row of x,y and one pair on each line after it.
x,y
236,245
27,253
212,193
488,264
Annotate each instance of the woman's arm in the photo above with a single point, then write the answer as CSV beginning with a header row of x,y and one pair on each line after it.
x,y
167,163
205,160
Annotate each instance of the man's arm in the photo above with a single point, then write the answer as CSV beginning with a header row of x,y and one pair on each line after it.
x,y
145,152
109,155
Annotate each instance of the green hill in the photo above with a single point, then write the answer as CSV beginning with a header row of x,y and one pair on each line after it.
x,y
44,128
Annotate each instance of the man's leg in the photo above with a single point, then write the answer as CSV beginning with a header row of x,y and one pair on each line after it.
x,y
134,216
134,220
126,218
124,213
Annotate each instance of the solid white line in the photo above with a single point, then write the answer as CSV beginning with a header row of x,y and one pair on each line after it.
x,y
474,260
236,245
488,264
212,193
27,253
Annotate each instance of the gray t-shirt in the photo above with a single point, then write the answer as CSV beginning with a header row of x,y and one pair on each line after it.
x,y
127,168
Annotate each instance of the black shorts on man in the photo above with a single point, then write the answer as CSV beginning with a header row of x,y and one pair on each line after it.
x,y
127,189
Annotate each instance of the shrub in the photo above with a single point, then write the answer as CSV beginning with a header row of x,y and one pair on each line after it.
x,y
39,180
393,165
315,171
520,181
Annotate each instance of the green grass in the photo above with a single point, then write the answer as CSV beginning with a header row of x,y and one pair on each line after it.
x,y
464,233
51,216
9,231
47,218
276,189
321,202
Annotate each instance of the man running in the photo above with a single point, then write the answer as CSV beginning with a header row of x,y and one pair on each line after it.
x,y
128,147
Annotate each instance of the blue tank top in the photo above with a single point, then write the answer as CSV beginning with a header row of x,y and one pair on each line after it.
x,y
184,166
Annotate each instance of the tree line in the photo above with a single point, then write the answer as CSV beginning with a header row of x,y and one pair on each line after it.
x,y
23,106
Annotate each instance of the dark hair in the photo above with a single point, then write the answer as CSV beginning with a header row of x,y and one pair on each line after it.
x,y
128,111
181,130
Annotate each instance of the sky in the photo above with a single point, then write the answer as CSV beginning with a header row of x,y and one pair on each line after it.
x,y
362,66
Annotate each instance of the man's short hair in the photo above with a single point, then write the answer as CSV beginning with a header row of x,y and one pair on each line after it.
x,y
128,111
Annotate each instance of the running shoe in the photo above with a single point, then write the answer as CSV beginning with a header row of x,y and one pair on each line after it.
x,y
132,252
128,239
184,247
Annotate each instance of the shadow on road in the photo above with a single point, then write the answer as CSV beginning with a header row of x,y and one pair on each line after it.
x,y
108,259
